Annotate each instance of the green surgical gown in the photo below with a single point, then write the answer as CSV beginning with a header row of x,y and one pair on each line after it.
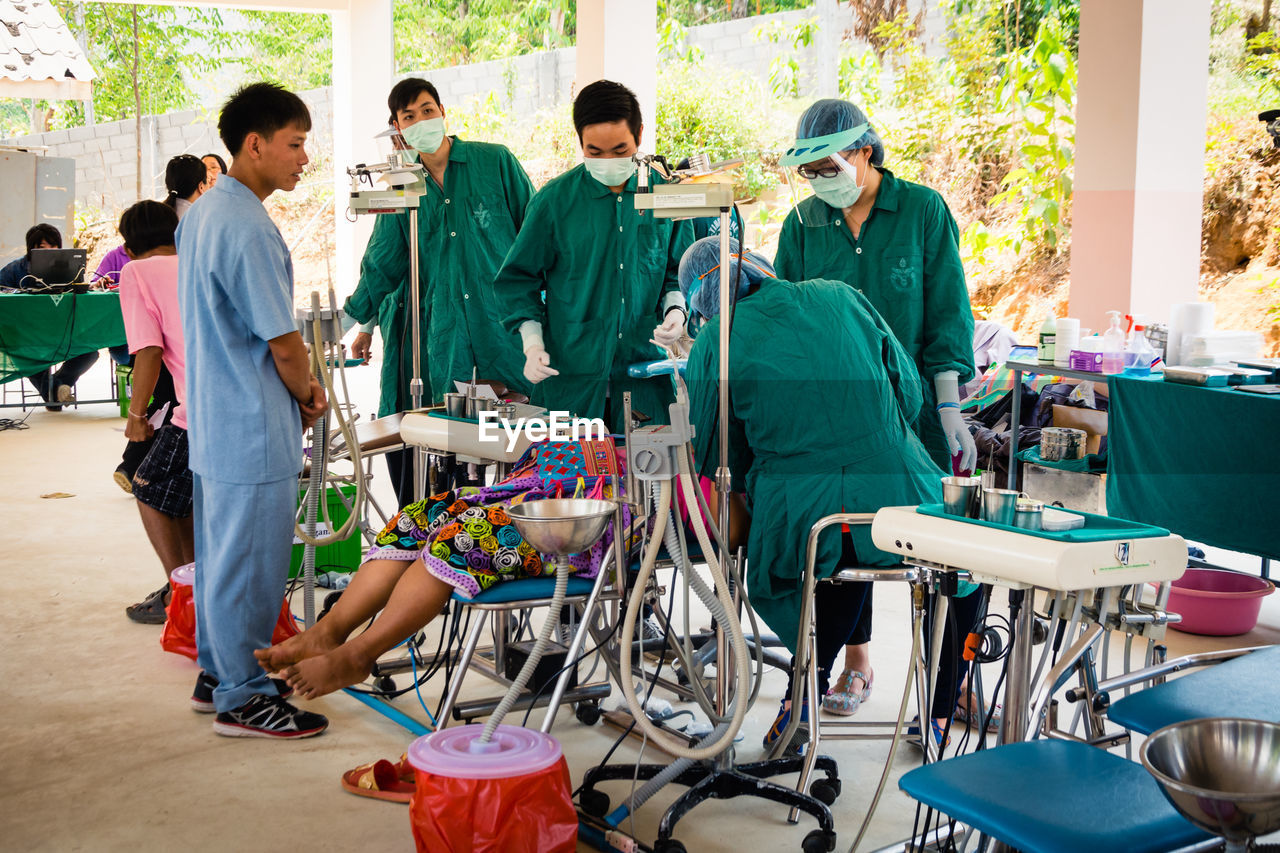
x,y
464,232
906,261
818,426
595,272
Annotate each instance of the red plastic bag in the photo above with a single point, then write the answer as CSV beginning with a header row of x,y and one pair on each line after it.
x,y
179,634
524,814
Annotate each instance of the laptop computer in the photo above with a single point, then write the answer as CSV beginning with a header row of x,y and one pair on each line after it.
x,y
57,268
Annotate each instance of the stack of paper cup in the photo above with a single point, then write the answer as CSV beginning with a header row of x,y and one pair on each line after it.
x,y
1186,318
1068,337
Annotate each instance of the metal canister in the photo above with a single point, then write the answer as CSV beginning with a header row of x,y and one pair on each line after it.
x,y
1059,443
1028,514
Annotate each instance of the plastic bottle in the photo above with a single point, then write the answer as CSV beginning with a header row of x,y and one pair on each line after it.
x,y
1139,355
1113,346
1048,337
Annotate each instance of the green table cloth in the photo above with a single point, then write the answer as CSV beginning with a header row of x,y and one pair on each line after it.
x,y
1202,462
40,330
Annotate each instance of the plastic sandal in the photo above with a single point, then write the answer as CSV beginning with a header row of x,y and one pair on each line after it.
x,y
936,729
842,699
380,780
151,610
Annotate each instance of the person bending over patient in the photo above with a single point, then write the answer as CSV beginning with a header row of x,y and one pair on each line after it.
x,y
461,541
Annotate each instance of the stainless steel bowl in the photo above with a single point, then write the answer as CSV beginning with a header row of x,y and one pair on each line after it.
x,y
561,526
1221,773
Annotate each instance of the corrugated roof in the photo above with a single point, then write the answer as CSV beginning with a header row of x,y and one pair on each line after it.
x,y
39,58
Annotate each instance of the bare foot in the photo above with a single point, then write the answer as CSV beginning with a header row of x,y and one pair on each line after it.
x,y
309,644
332,671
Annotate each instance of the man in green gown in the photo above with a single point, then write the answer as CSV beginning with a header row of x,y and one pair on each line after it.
x,y
591,279
476,195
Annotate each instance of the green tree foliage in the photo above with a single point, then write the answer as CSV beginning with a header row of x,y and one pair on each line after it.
x,y
1015,24
172,45
690,13
442,33
293,48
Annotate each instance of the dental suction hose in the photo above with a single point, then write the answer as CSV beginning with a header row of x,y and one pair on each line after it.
x,y
733,631
531,663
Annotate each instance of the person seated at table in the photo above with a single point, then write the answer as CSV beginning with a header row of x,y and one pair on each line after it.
x,y
149,302
16,274
54,387
819,426
461,541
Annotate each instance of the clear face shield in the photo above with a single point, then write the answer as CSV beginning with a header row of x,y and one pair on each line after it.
x,y
392,148
816,163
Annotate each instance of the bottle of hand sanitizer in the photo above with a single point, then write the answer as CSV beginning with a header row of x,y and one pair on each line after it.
x,y
1113,346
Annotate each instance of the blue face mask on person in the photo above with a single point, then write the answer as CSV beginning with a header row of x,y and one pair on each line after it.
x,y
610,171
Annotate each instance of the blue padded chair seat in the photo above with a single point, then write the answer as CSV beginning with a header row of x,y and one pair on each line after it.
x,y
1051,796
526,590
1242,687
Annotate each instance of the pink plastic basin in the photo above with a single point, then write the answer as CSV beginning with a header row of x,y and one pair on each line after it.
x,y
1217,602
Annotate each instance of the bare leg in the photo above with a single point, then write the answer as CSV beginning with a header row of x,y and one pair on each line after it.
x,y
418,597
368,592
171,538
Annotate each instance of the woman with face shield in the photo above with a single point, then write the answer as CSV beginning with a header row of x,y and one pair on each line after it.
x,y
896,242
819,424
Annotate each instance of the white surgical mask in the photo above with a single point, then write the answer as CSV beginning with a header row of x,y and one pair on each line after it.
x,y
426,135
840,192
610,171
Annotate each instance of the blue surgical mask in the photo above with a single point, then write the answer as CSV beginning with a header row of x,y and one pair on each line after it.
x,y
840,192
426,135
610,171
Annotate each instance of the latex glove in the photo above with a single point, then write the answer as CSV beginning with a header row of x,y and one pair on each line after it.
x,y
537,365
959,439
946,386
671,330
362,346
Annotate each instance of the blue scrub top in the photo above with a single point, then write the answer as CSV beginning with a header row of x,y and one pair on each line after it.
x,y
235,293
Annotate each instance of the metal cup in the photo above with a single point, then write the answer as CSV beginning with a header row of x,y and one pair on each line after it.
x,y
999,506
455,405
961,496
1028,514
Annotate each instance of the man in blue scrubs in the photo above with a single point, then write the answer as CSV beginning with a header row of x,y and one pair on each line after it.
x,y
250,393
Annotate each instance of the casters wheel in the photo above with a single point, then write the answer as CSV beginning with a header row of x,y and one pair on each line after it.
x,y
825,791
818,842
669,846
588,713
384,684
594,803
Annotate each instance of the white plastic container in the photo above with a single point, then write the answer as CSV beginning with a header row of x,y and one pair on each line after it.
x,y
1139,355
1066,338
1046,345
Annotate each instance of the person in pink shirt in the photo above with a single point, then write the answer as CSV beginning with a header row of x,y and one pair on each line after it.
x,y
149,301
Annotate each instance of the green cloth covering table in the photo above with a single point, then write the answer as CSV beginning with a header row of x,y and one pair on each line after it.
x,y
1202,462
41,330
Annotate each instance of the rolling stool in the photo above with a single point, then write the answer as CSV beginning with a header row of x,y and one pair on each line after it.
x,y
1051,796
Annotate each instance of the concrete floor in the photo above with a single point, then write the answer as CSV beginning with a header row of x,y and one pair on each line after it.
x,y
101,751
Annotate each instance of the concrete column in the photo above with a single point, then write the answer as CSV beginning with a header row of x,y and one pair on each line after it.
x,y
1140,137
830,30
618,40
363,66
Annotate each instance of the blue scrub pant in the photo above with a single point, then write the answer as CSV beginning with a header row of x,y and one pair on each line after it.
x,y
243,533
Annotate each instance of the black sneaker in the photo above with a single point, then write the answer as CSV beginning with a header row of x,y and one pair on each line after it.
x,y
269,716
202,696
